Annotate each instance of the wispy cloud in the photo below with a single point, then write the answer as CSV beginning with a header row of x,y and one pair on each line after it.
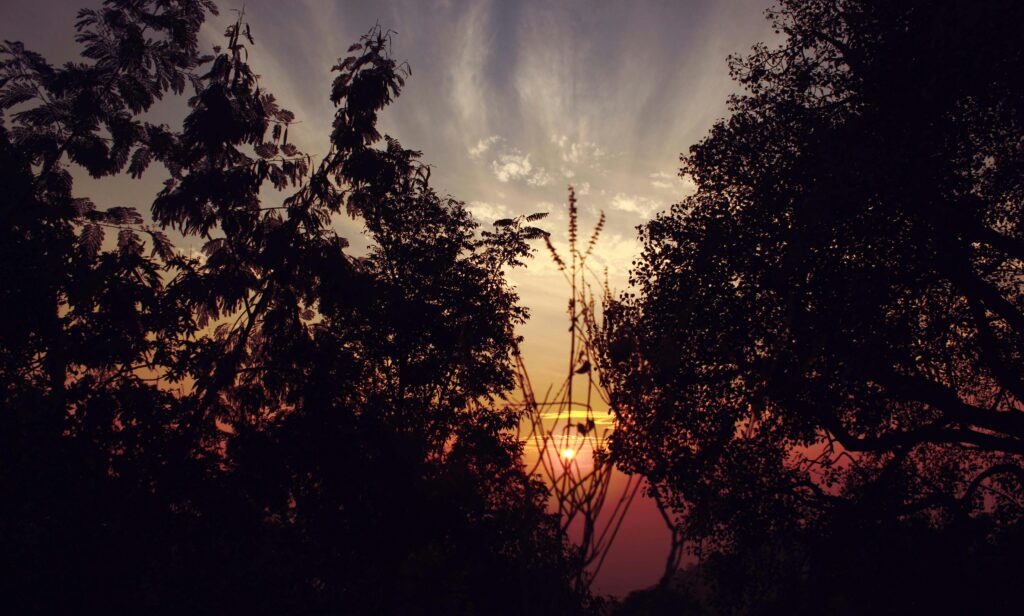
x,y
540,178
488,212
578,152
483,145
514,166
635,204
682,185
662,180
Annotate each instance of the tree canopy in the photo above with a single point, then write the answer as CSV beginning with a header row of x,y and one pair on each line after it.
x,y
835,318
250,428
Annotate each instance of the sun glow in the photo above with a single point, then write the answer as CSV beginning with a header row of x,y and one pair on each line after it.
x,y
568,453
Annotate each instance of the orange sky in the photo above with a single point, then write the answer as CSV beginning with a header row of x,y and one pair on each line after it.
x,y
510,102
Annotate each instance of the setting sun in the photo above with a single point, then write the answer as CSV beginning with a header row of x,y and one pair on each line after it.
x,y
568,453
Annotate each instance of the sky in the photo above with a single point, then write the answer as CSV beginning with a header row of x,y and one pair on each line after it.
x,y
510,103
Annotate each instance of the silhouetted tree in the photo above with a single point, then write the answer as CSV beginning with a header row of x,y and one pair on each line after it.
x,y
835,319
273,426
85,434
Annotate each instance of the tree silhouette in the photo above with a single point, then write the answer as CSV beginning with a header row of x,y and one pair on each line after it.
x,y
275,425
834,319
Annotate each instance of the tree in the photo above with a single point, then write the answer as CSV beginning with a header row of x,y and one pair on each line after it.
x,y
835,317
85,433
249,430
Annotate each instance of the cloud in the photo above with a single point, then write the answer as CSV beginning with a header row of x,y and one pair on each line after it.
x,y
663,180
670,181
509,167
578,152
483,145
540,178
582,152
635,204
488,212
467,78
514,165
616,252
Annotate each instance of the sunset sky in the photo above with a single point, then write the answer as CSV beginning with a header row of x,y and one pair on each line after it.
x,y
510,102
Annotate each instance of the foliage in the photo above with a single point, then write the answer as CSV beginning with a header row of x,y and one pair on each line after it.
x,y
275,425
834,321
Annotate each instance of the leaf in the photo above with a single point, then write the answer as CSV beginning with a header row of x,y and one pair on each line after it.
x,y
90,151
16,93
128,242
221,331
82,206
537,216
266,150
503,222
140,161
123,216
270,107
213,246
162,246
91,239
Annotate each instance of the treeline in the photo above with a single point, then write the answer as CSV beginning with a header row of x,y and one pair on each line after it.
x,y
821,368
273,426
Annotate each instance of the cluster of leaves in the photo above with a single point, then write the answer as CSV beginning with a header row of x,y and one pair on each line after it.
x,y
835,319
275,425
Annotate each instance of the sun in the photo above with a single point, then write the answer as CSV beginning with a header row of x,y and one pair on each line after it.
x,y
568,453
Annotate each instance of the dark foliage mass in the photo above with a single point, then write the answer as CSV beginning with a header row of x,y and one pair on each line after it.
x,y
273,426
819,375
821,369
